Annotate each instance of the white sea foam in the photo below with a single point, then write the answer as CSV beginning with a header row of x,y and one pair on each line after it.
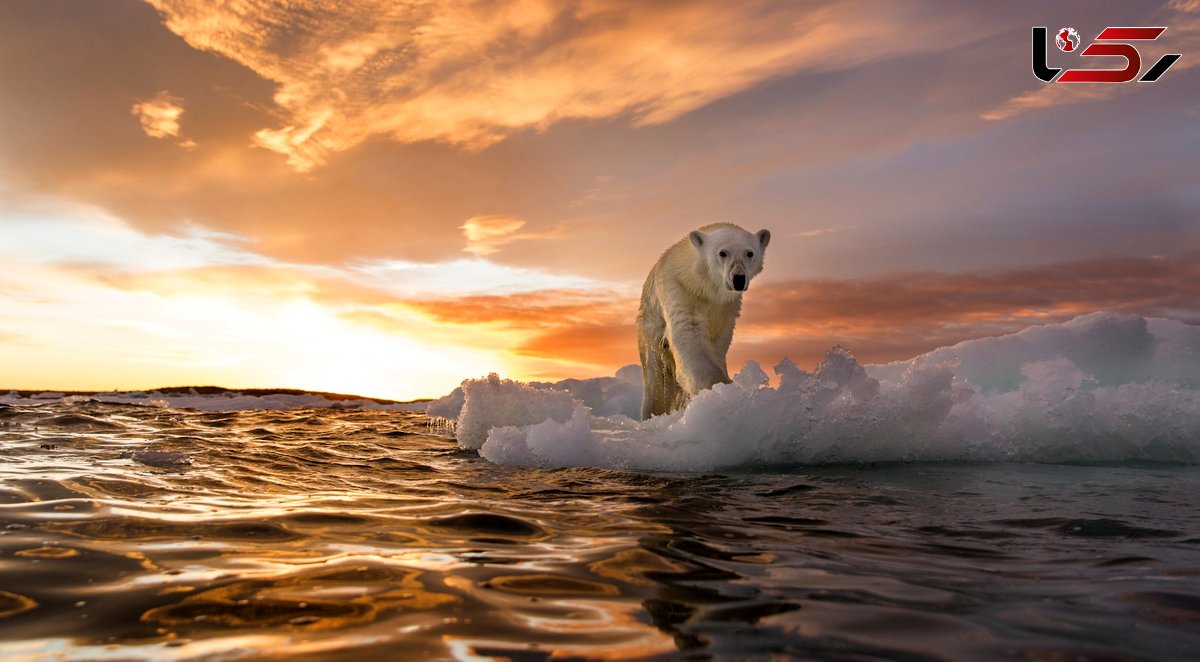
x,y
1100,388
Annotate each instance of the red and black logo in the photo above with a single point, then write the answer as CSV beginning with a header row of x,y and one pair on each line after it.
x,y
1110,42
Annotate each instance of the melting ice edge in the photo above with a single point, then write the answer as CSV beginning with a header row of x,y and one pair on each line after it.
x,y
1100,388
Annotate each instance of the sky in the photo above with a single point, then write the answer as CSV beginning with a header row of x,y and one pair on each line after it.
x,y
387,197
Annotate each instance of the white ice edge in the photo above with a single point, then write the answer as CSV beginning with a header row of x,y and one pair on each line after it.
x,y
1101,388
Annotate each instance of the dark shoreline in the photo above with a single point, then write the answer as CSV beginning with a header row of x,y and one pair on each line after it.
x,y
217,390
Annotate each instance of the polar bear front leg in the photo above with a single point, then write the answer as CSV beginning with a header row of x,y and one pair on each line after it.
x,y
658,376
696,364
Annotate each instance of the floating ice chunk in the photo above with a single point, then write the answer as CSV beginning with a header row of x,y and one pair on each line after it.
x,y
493,402
1100,388
605,396
448,406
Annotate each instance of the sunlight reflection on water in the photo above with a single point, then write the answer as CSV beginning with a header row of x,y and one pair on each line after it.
x,y
323,533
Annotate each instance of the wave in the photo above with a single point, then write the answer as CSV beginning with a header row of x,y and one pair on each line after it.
x,y
1100,388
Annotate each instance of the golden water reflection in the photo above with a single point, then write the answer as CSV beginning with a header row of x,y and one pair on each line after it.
x,y
328,598
327,534
304,534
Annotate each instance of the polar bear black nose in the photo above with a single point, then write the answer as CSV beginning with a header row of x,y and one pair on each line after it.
x,y
739,282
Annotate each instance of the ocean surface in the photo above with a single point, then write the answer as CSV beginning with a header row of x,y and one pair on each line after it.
x,y
134,531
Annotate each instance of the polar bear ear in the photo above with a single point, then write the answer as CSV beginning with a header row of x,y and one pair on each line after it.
x,y
764,237
697,238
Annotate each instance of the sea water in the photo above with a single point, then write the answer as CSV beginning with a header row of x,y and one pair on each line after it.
x,y
1027,497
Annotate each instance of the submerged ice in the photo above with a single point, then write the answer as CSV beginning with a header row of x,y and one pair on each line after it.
x,y
1100,388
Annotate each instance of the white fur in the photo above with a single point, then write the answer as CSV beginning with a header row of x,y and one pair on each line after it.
x,y
689,306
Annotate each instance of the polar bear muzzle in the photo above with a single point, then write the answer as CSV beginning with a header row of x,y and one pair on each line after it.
x,y
739,282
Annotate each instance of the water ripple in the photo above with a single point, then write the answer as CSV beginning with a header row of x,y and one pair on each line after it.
x,y
150,533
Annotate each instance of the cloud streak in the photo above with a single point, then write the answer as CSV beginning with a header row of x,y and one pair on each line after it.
x,y
471,73
486,233
898,316
572,333
879,319
1051,95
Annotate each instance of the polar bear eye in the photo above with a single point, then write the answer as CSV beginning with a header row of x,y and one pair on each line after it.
x,y
750,254
723,254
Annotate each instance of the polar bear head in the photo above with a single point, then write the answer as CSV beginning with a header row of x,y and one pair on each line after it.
x,y
730,255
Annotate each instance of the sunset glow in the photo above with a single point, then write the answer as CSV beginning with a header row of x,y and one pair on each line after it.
x,y
386,198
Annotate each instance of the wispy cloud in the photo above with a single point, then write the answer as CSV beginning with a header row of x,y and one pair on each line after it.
x,y
83,235
486,233
159,115
544,307
461,277
11,339
1050,95
808,234
471,73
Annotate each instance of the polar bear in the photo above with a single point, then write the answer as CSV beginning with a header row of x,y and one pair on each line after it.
x,y
690,302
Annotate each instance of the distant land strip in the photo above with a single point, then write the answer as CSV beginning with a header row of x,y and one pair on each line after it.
x,y
215,390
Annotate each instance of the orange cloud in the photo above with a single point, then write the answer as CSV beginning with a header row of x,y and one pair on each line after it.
x,y
880,319
254,283
567,333
470,73
545,308
159,115
1049,95
605,346
485,233
898,316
